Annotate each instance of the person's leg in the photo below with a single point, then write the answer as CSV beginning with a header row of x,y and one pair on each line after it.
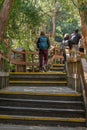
x,y
45,52
64,55
64,61
45,57
40,59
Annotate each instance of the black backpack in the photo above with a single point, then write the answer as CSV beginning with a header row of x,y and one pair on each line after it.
x,y
75,39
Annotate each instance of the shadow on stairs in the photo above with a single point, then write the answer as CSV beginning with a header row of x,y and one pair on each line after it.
x,y
42,99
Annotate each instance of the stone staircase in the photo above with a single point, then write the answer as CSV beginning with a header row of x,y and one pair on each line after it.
x,y
57,67
43,99
38,79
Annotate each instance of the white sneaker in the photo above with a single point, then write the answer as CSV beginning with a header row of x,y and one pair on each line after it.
x,y
44,68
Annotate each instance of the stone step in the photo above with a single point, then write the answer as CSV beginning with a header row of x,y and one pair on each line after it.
x,y
57,69
43,121
41,103
7,93
48,73
38,78
58,65
38,75
41,98
37,83
45,112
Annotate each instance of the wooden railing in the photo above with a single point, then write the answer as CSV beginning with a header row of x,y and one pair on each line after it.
x,y
56,54
24,60
4,62
84,73
84,93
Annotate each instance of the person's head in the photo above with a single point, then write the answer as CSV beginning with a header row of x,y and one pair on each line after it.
x,y
66,36
76,31
42,33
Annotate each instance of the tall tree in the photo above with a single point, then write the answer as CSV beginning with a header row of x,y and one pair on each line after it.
x,y
82,7
83,14
4,15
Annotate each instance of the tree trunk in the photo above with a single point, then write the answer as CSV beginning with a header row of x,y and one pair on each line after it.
x,y
84,30
4,15
83,15
53,25
43,28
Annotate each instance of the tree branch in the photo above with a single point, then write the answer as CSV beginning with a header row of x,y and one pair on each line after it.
x,y
74,4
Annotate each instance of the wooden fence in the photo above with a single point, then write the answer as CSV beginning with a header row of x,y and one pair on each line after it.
x,y
24,60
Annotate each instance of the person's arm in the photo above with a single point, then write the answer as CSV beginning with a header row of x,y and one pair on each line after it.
x,y
37,43
48,42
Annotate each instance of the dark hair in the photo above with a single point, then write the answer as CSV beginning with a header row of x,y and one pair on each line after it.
x,y
42,33
76,30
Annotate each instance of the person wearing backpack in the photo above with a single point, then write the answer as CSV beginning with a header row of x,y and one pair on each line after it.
x,y
64,45
43,45
75,37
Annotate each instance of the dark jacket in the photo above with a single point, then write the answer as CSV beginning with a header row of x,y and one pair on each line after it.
x,y
75,37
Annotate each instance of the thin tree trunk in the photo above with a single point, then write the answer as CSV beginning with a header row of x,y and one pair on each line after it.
x,y
53,24
4,15
43,28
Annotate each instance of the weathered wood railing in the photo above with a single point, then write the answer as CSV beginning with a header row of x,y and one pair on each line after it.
x,y
55,54
82,86
4,71
27,60
84,73
4,62
24,60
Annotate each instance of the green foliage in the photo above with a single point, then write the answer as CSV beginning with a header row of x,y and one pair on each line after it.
x,y
67,18
3,49
23,21
28,16
30,13
1,3
5,63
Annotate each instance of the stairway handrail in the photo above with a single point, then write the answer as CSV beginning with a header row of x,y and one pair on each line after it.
x,y
3,57
84,95
25,52
24,62
4,61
